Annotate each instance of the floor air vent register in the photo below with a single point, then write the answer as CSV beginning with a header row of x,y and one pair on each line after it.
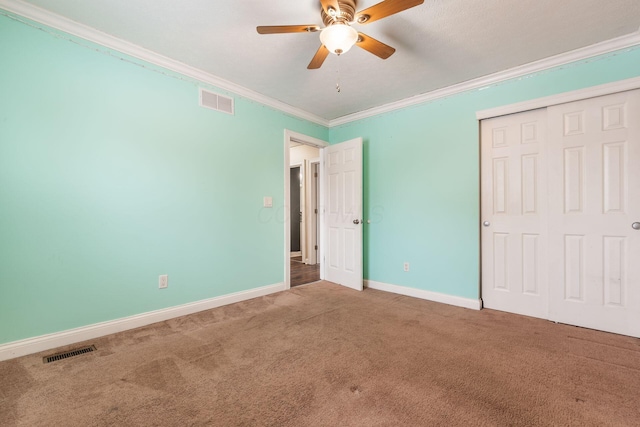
x,y
67,354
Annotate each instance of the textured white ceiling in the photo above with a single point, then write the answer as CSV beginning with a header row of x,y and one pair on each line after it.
x,y
440,43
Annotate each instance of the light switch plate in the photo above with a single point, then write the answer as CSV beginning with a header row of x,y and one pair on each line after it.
x,y
268,202
163,281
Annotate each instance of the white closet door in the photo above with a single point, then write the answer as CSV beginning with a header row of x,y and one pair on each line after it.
x,y
513,213
594,200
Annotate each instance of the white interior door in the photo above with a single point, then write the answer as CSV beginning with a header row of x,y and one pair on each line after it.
x,y
343,213
594,163
514,204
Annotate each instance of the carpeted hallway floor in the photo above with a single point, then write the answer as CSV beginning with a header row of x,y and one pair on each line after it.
x,y
323,355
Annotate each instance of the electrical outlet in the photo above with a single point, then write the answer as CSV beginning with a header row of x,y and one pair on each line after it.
x,y
406,266
163,281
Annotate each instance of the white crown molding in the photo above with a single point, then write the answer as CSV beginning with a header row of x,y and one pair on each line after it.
x,y
561,98
512,73
61,23
72,336
474,304
58,22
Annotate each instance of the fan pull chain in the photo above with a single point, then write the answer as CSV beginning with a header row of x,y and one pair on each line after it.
x,y
338,76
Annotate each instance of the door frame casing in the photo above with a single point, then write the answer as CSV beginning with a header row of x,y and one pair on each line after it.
x,y
312,192
291,136
302,208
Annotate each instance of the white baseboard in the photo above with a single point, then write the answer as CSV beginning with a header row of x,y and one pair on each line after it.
x,y
71,336
475,304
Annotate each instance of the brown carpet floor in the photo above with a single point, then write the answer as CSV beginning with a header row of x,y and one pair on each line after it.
x,y
323,355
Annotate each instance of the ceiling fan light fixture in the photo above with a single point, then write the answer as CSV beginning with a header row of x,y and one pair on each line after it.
x,y
338,38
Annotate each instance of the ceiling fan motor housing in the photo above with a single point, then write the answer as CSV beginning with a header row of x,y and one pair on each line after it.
x,y
344,15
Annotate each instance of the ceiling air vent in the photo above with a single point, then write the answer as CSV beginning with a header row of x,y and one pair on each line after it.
x,y
216,102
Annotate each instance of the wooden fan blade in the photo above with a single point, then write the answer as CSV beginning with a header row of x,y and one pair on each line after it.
x,y
374,46
384,9
279,29
318,58
326,4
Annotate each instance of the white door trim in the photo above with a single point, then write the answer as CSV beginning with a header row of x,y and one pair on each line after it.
x,y
289,137
561,98
302,251
312,227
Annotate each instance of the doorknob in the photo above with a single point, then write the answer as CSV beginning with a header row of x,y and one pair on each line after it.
x,y
356,221
486,223
636,225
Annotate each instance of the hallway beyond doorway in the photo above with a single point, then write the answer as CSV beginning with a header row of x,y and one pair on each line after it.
x,y
302,273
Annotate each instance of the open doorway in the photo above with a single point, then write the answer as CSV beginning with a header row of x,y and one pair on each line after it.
x,y
339,212
302,199
303,213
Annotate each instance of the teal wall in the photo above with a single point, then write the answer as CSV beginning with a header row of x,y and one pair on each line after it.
x,y
421,176
111,174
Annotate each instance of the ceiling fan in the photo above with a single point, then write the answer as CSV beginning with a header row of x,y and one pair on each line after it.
x,y
338,36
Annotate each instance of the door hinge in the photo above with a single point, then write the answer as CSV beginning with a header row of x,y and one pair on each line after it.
x,y
316,210
315,175
316,247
